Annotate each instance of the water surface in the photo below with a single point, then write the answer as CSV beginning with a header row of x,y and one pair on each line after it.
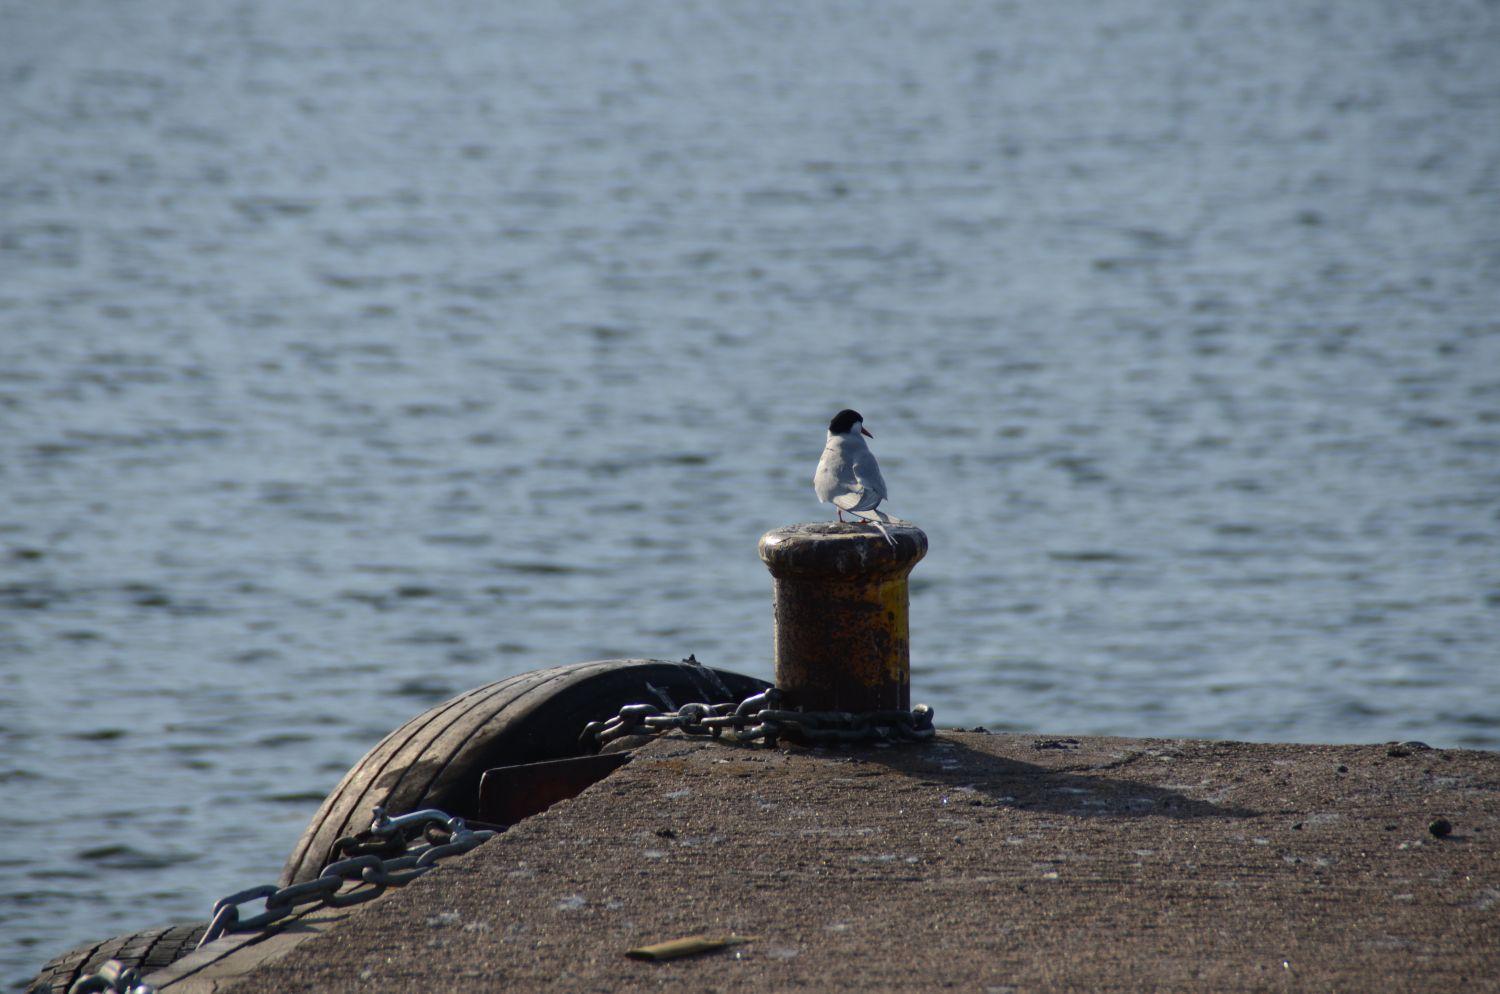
x,y
354,357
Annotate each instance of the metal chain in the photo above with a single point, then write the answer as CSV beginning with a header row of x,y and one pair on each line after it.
x,y
444,836
368,868
760,717
112,978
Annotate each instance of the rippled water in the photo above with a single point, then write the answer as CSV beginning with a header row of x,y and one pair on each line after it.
x,y
351,357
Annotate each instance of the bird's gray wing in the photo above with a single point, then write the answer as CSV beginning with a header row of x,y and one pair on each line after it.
x,y
863,487
856,499
868,472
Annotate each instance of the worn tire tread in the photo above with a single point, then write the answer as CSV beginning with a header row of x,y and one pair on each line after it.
x,y
347,807
147,950
436,758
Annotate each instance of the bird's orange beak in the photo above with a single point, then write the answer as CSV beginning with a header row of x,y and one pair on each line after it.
x,y
863,431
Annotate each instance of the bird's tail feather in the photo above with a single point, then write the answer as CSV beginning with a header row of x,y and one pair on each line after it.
x,y
879,519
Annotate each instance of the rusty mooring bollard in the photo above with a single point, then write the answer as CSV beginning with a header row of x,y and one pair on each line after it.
x,y
842,636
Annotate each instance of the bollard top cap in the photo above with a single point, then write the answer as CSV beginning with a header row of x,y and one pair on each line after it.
x,y
842,551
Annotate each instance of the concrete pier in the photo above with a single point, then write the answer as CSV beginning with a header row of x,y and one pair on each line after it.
x,y
976,862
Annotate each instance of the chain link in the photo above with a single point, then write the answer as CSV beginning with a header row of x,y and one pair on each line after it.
x,y
367,868
112,978
760,717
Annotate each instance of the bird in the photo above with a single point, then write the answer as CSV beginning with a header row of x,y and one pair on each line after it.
x,y
848,474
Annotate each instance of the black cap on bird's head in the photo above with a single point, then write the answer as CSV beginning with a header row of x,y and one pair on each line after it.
x,y
846,419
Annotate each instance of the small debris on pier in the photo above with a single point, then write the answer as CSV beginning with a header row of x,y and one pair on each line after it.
x,y
693,945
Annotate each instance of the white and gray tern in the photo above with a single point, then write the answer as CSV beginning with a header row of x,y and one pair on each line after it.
x,y
848,474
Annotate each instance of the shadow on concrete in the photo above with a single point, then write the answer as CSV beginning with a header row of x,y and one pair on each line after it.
x,y
985,780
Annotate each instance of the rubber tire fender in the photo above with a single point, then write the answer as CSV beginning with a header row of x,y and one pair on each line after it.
x,y
147,951
436,759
